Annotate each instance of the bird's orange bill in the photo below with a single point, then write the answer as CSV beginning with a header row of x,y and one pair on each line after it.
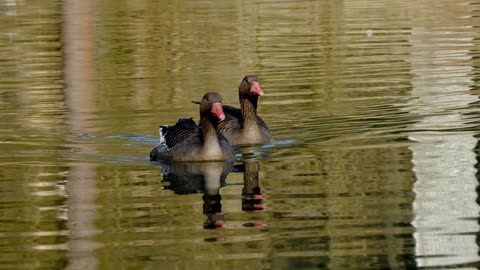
x,y
217,110
256,89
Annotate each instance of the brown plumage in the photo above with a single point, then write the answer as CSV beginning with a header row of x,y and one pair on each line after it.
x,y
187,141
244,126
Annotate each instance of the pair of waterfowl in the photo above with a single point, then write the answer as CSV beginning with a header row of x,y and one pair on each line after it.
x,y
219,128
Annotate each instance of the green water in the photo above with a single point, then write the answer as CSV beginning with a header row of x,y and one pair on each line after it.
x,y
374,106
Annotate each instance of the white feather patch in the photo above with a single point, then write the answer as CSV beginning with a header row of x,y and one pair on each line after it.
x,y
162,138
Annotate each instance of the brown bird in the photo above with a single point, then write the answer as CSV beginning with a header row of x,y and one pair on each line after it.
x,y
244,126
187,141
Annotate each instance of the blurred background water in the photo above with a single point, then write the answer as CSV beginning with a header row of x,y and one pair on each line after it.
x,y
374,106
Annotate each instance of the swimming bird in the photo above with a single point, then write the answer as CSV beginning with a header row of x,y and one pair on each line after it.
x,y
243,126
187,141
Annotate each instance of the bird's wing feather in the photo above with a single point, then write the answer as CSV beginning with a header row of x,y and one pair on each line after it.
x,y
184,130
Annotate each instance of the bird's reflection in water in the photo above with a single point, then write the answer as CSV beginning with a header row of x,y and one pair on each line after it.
x,y
252,197
200,177
208,178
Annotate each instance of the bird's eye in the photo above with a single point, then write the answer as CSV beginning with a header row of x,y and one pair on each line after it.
x,y
206,99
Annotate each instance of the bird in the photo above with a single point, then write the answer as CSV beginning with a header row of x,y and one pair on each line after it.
x,y
187,141
243,126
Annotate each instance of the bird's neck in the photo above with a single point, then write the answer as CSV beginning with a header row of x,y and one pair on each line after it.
x,y
210,139
249,110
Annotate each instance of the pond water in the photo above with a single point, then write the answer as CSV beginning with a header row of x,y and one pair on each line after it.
x,y
374,106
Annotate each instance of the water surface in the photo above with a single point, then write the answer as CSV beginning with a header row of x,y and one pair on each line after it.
x,y
374,106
